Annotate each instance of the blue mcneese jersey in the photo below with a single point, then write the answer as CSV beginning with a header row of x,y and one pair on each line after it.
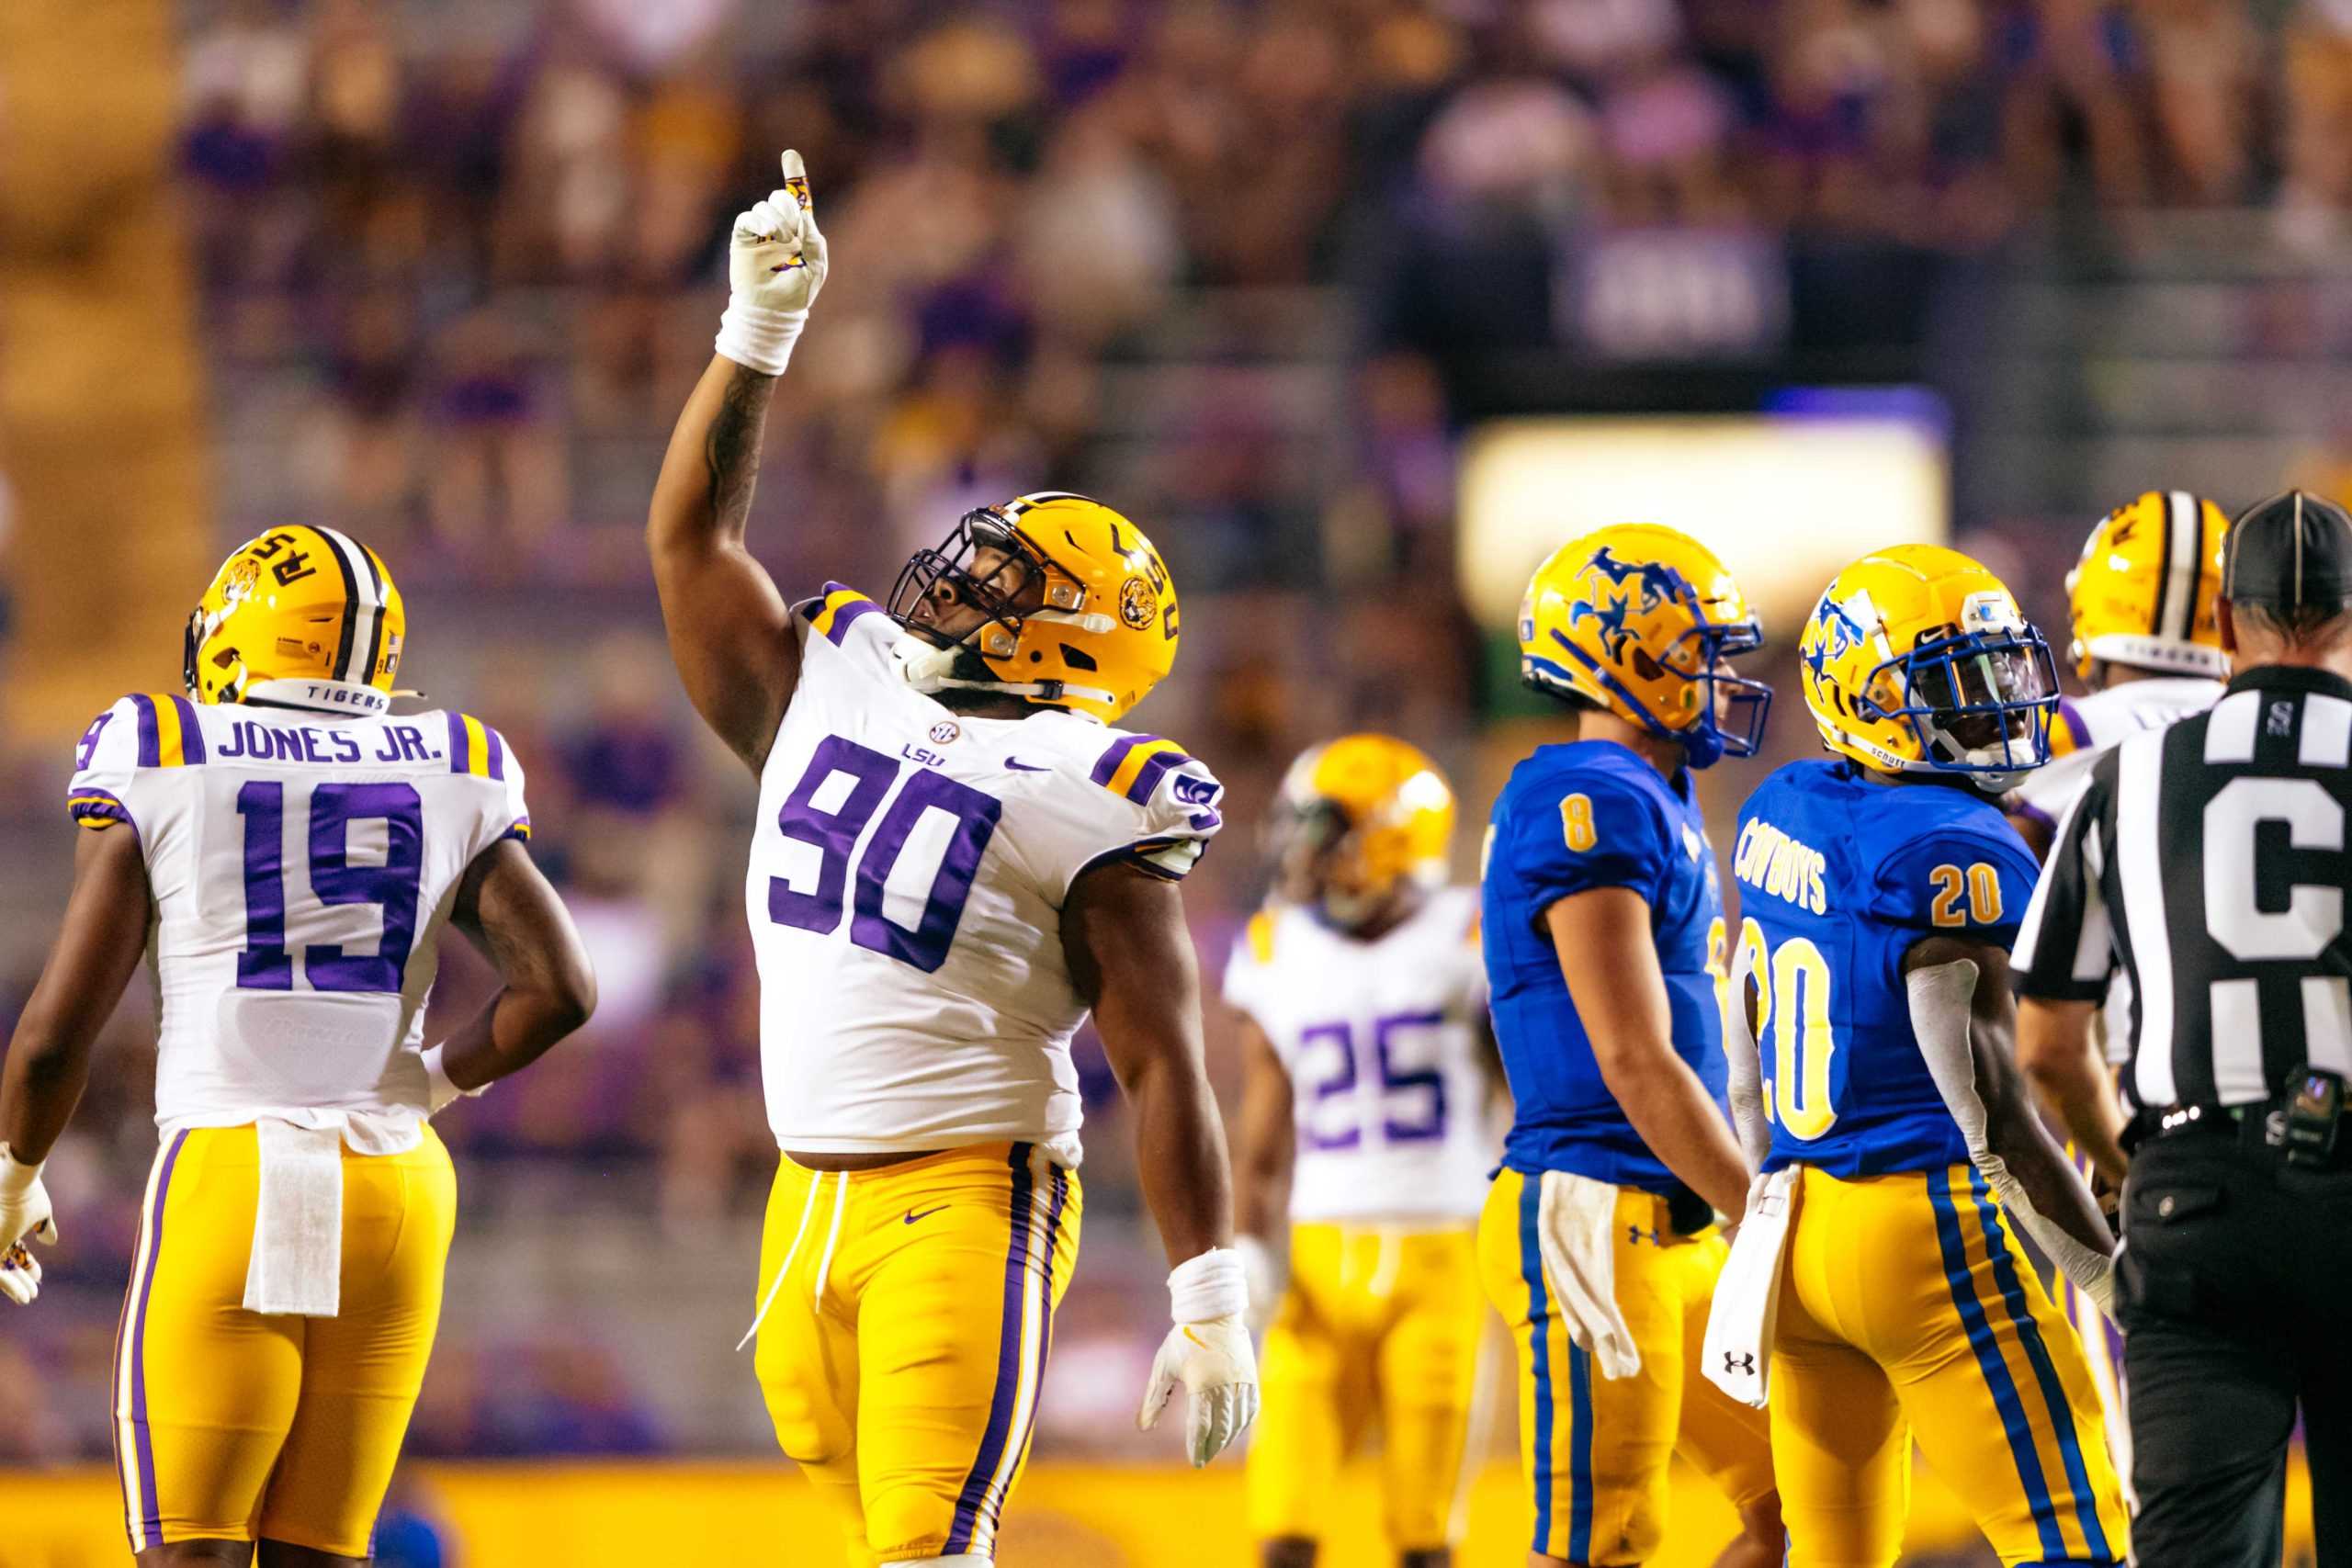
x,y
1838,878
1575,818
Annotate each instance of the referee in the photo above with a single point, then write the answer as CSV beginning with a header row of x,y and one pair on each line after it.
x,y
2209,861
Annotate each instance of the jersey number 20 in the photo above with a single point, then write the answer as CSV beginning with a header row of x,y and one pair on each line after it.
x,y
834,827
1793,1024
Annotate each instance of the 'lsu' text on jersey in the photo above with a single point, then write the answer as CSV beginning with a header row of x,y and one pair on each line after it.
x,y
1576,818
905,890
1840,877
1383,1041
303,867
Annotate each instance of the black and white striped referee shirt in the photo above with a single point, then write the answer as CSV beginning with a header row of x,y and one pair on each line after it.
x,y
2208,861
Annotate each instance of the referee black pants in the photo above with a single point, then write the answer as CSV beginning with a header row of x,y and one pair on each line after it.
x,y
2235,1298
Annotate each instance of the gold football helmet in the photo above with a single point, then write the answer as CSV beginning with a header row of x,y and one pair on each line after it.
x,y
1917,660
2143,593
301,616
1358,818
1075,608
1642,622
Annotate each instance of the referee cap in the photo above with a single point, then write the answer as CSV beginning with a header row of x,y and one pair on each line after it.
x,y
2291,552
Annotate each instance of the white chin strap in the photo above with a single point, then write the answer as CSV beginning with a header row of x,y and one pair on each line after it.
x,y
319,696
927,668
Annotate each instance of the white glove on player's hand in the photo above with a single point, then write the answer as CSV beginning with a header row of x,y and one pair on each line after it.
x,y
25,1216
776,264
1220,1372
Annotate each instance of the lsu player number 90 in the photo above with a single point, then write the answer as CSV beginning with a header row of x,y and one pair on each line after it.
x,y
291,852
957,858
1366,1125
1869,1038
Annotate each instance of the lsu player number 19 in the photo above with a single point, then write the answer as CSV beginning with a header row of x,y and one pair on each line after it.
x,y
956,859
1879,894
1366,1123
289,851
1603,927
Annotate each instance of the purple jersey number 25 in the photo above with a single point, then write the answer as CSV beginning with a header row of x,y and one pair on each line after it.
x,y
835,831
1411,1122
267,963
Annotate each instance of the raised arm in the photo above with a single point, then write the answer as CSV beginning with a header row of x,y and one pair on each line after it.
x,y
547,989
1131,957
1610,964
730,630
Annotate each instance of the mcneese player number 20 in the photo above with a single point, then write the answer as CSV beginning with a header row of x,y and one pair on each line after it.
x,y
956,859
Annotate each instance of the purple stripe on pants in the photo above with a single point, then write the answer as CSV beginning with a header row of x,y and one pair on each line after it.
x,y
1008,1367
153,1525
1060,1191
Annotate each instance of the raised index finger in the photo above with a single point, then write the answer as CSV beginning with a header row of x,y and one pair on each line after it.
x,y
796,177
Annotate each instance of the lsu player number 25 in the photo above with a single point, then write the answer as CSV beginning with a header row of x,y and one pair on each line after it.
x,y
955,858
1366,1123
289,853
1870,1054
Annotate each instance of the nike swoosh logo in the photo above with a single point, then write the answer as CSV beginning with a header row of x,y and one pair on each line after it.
x,y
913,1216
1024,767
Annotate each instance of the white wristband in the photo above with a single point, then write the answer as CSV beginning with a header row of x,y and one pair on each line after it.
x,y
1211,1286
16,1176
757,338
439,1091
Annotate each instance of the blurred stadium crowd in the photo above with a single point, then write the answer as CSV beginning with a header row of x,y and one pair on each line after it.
x,y
1218,263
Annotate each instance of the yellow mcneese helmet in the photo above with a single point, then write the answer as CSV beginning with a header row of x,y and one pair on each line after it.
x,y
1106,631
2144,590
1381,805
1917,660
302,617
1640,620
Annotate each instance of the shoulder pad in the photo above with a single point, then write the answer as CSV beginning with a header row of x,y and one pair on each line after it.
x,y
475,748
834,612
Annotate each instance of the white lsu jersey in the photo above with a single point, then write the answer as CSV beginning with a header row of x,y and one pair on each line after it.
x,y
905,889
2083,732
1382,1042
303,865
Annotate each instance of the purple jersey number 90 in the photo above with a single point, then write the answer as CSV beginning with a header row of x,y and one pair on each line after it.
x,y
1410,1107
833,830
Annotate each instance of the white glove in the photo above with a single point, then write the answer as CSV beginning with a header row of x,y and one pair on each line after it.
x,y
439,1092
1208,1352
23,1215
1261,1273
775,263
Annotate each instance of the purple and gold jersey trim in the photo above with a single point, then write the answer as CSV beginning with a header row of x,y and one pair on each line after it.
x,y
98,810
475,748
1135,764
833,613
518,828
169,736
